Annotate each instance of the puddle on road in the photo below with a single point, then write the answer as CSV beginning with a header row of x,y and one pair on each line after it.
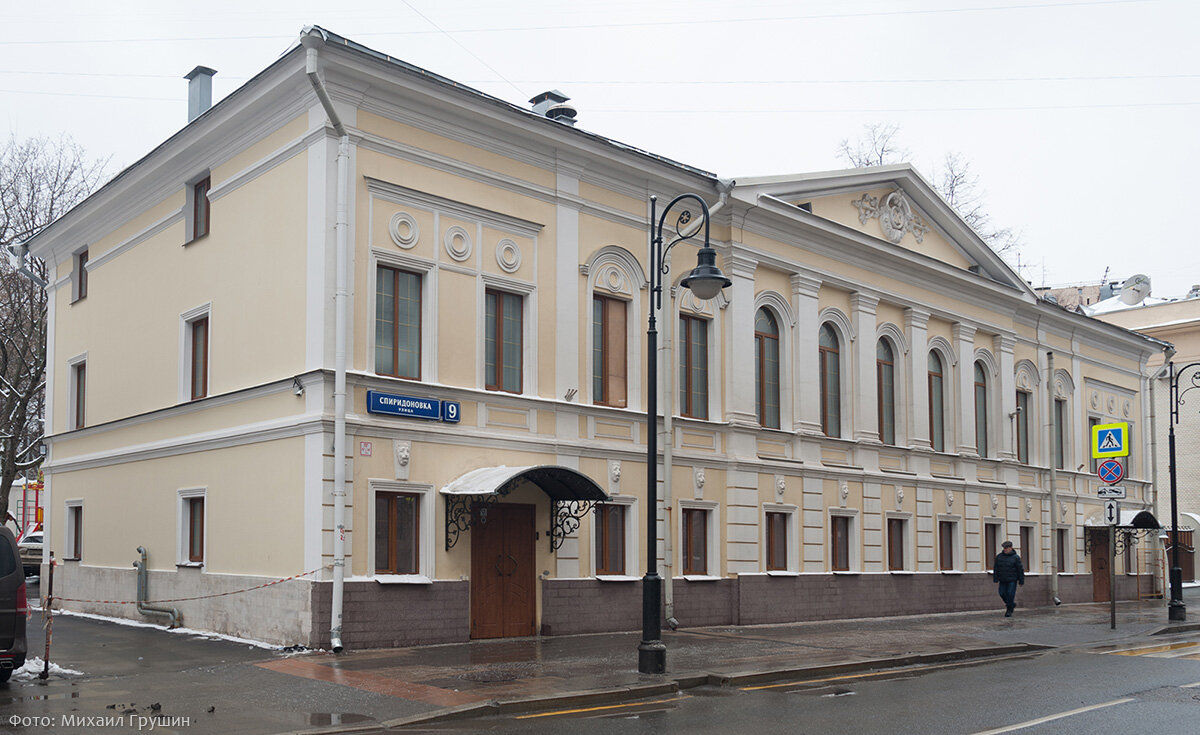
x,y
39,697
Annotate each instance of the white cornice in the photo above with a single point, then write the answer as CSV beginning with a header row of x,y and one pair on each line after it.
x,y
402,194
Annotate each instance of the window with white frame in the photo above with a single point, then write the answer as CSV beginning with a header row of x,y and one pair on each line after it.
x,y
981,409
397,322
885,379
698,528
843,540
191,524
949,545
1028,546
766,361
937,403
401,544
991,544
74,530
609,350
503,342
830,367
693,366
1066,551
781,533
195,330
77,391
196,211
614,532
899,542
79,276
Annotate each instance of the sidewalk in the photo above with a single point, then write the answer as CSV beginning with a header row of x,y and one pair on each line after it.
x,y
486,677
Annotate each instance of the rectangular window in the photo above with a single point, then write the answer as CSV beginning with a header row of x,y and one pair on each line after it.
x,y
1022,427
200,207
839,537
502,346
991,544
895,541
1026,546
1093,463
1062,539
946,545
75,531
695,541
199,355
777,541
81,275
79,387
397,323
693,367
397,535
195,516
1060,431
610,538
608,351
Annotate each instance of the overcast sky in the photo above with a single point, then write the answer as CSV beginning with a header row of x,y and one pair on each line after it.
x,y
1080,118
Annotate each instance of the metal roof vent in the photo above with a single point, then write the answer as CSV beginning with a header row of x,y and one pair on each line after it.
x,y
553,104
199,91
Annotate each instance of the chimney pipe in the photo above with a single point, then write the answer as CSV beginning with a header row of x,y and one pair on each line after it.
x,y
199,91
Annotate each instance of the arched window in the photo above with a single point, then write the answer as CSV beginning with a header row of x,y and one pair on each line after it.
x,y
766,361
937,403
885,382
981,410
831,382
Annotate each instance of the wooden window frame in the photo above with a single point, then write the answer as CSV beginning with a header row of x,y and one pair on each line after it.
x,y
396,274
824,356
947,543
391,565
198,389
688,518
195,514
497,336
612,352
839,543
687,323
991,544
612,526
1060,433
776,524
886,404
1024,401
79,379
1025,538
761,340
75,530
201,208
81,275
937,439
897,531
981,409
1061,537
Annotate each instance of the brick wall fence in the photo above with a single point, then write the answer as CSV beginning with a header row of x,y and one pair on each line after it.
x,y
393,615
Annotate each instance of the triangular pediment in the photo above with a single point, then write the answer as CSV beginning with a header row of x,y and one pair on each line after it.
x,y
889,203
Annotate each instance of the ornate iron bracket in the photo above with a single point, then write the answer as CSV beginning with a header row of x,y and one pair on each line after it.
x,y
1126,538
462,511
565,517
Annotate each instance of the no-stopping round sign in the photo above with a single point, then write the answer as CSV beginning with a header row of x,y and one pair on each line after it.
x,y
1110,471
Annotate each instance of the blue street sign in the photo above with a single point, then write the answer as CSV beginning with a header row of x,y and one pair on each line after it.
x,y
409,406
451,412
1110,471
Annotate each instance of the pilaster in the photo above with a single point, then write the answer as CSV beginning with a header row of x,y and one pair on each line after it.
x,y
806,380
916,324
964,344
1005,393
865,396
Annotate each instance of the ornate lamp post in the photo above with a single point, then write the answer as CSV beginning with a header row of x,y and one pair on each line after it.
x,y
705,281
1176,610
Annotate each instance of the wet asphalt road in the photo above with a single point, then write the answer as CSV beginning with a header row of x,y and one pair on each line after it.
x,y
975,698
134,668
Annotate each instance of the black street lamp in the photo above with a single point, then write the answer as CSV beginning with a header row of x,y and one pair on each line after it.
x,y
1176,610
705,281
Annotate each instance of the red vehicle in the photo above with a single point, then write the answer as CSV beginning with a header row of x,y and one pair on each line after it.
x,y
14,606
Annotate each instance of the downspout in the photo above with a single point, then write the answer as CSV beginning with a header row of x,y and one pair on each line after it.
x,y
312,40
143,593
1052,433
1168,353
724,186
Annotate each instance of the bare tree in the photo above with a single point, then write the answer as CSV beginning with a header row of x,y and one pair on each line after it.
x,y
878,145
40,179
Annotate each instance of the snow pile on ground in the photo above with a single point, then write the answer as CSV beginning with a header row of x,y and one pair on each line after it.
x,y
33,668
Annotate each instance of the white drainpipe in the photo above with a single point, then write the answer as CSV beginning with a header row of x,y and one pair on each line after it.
x,y
313,40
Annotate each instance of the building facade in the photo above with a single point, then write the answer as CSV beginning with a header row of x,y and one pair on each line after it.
x,y
851,428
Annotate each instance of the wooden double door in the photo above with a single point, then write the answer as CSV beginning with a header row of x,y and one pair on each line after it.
x,y
503,595
1101,583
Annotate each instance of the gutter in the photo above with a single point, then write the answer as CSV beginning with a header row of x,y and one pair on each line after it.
x,y
313,39
143,593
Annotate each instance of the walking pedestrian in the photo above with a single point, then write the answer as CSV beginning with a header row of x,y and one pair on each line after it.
x,y
1008,571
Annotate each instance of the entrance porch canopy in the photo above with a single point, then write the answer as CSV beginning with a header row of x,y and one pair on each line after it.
x,y
572,495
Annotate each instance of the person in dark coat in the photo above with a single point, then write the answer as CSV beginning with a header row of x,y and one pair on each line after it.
x,y
1008,571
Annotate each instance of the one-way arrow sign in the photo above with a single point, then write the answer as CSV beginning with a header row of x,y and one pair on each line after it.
x,y
1112,512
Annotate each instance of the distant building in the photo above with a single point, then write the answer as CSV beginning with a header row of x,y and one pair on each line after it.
x,y
452,332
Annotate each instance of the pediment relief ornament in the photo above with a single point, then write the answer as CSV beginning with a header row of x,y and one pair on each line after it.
x,y
612,278
899,497
895,215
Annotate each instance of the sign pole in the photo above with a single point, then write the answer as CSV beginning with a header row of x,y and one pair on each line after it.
x,y
1112,577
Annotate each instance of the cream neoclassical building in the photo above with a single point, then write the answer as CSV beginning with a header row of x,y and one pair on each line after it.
x,y
844,440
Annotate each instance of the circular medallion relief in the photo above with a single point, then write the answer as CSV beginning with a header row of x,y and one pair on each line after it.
x,y
1127,408
458,243
404,230
508,255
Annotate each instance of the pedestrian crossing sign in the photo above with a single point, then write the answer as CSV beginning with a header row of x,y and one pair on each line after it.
x,y
1110,440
